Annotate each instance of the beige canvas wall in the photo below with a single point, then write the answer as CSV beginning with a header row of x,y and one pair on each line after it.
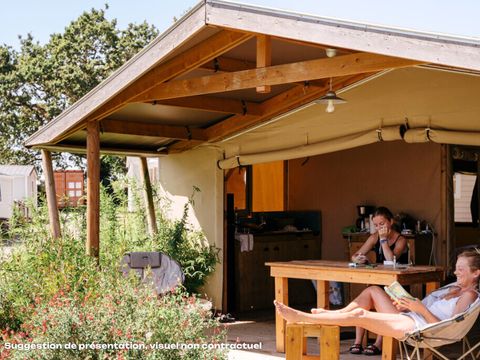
x,y
178,174
403,177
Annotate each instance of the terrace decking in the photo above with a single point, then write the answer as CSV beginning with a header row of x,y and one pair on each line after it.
x,y
264,331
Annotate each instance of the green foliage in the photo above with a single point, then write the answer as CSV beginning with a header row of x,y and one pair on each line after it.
x,y
38,82
124,314
125,231
197,259
51,292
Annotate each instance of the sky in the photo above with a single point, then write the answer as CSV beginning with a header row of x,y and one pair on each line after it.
x,y
42,18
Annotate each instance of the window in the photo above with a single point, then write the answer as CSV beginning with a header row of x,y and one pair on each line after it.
x,y
71,193
463,185
78,185
71,185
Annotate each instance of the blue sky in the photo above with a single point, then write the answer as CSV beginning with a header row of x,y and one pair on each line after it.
x,y
42,18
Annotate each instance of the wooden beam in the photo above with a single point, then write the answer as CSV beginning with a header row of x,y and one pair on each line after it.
x,y
51,195
80,149
181,64
226,64
93,189
148,195
264,58
344,65
286,101
211,103
152,129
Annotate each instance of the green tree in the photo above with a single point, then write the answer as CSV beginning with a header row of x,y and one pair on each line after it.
x,y
38,81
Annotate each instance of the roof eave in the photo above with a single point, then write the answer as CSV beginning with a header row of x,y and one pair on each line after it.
x,y
180,32
456,52
441,49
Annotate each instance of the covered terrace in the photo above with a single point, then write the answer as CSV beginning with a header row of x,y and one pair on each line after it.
x,y
232,84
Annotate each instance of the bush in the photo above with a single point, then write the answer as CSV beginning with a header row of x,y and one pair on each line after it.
x,y
51,292
124,315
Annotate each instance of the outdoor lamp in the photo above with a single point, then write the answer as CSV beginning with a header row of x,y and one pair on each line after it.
x,y
330,98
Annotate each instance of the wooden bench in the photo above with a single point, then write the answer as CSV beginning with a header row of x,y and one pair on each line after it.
x,y
296,341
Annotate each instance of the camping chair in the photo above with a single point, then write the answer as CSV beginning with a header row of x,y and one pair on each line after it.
x,y
445,332
165,274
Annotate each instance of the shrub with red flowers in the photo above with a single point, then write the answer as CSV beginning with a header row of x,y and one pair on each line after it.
x,y
120,312
52,293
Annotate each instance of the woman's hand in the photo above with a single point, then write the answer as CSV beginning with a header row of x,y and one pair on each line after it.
x,y
383,232
399,306
359,259
414,305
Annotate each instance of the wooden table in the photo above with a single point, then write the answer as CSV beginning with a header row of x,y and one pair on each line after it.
x,y
324,271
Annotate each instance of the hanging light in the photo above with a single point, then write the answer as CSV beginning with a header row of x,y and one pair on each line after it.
x,y
331,99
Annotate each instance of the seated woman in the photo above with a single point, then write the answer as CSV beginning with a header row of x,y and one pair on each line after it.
x,y
396,319
387,244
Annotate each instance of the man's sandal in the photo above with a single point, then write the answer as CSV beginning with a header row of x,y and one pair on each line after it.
x,y
372,350
356,349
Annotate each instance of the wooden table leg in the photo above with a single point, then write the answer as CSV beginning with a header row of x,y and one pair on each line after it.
x,y
322,294
389,348
281,295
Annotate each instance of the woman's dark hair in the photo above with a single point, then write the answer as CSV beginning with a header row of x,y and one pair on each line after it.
x,y
383,211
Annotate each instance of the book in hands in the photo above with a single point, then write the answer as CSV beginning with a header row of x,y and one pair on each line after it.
x,y
397,291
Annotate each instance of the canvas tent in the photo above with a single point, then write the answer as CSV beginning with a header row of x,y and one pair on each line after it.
x,y
231,84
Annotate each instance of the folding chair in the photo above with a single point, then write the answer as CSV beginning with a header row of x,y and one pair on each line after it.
x,y
445,332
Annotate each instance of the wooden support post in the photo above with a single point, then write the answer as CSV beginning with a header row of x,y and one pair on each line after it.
x,y
264,57
93,189
51,196
148,194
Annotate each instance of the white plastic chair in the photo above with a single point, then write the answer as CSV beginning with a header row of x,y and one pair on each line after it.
x,y
445,332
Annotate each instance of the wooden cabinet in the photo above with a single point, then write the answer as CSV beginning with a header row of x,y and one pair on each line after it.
x,y
419,248
254,287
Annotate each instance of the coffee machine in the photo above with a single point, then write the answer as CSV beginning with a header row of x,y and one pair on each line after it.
x,y
363,212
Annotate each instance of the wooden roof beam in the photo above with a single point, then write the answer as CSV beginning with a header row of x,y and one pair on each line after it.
x,y
211,103
81,149
344,65
286,101
226,64
192,58
152,129
264,58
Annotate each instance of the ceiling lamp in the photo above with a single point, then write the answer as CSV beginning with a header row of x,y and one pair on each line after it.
x,y
331,52
331,99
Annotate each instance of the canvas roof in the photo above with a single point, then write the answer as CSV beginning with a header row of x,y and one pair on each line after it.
x,y
197,84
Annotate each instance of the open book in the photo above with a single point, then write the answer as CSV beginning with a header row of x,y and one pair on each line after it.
x,y
396,291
